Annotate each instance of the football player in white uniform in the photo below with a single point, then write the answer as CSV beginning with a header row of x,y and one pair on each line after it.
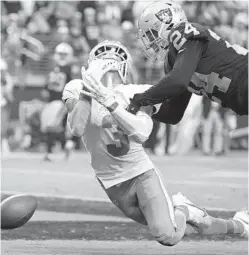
x,y
114,138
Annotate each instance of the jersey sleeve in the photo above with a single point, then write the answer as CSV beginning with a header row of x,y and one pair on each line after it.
x,y
186,32
72,90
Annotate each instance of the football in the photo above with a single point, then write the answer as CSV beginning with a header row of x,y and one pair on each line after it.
x,y
17,210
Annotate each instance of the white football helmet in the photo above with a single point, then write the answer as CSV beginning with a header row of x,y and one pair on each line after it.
x,y
63,54
155,24
113,50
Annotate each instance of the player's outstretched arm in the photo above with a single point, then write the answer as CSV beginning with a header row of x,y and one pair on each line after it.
x,y
172,111
176,81
138,127
77,106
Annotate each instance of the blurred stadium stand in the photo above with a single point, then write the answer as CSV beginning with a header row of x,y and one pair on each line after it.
x,y
112,20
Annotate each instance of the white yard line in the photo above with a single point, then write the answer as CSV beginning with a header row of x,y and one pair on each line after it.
x,y
49,172
64,217
46,195
90,199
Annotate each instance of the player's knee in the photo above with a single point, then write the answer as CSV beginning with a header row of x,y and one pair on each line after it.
x,y
169,238
169,241
129,212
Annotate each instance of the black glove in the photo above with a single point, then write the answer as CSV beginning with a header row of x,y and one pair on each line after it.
x,y
133,107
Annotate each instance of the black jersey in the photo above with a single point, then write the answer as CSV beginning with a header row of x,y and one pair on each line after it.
x,y
201,62
222,70
57,79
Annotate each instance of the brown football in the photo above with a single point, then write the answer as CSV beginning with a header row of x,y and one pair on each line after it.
x,y
17,210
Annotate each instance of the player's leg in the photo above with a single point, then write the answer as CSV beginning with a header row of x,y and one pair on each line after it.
x,y
124,197
236,226
166,223
206,134
218,133
141,200
49,141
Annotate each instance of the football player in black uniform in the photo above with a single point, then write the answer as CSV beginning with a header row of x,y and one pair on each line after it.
x,y
197,61
57,79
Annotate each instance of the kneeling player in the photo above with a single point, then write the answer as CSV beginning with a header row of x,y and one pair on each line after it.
x,y
114,138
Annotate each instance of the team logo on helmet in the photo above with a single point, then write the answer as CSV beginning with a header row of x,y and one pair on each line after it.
x,y
165,16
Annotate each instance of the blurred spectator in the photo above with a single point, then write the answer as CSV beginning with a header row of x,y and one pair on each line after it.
x,y
82,5
63,32
6,100
239,33
187,128
90,29
212,126
160,146
30,120
39,21
126,14
53,116
78,41
12,6
64,9
19,45
230,124
83,24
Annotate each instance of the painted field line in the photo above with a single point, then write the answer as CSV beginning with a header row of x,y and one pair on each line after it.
x,y
207,184
227,174
92,199
41,215
46,195
48,172
92,176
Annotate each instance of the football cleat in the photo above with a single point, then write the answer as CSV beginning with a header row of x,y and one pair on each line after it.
x,y
243,218
197,215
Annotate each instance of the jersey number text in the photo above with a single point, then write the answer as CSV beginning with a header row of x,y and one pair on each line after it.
x,y
177,39
210,85
120,142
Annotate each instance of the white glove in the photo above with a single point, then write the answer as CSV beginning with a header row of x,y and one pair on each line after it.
x,y
96,90
98,67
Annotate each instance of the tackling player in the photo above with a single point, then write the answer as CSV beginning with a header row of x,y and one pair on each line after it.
x,y
114,138
197,61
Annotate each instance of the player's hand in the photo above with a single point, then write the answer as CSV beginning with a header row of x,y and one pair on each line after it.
x,y
133,107
94,88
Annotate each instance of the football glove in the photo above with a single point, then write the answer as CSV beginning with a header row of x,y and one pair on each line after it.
x,y
95,89
133,107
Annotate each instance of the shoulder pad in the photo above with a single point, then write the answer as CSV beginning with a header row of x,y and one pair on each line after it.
x,y
187,31
72,89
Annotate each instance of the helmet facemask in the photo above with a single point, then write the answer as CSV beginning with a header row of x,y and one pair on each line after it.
x,y
116,51
155,45
155,25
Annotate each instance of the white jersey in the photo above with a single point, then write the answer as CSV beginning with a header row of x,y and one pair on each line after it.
x,y
114,157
